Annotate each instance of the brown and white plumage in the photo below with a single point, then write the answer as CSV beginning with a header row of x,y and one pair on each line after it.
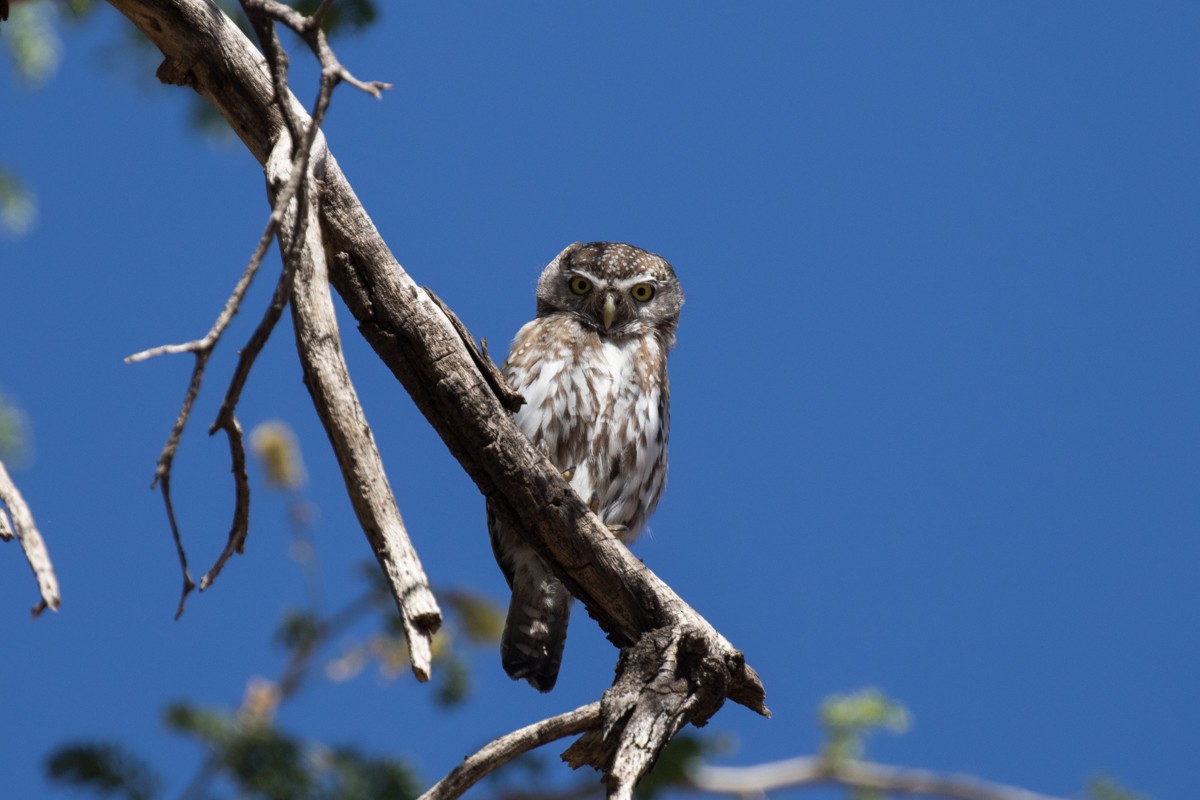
x,y
592,367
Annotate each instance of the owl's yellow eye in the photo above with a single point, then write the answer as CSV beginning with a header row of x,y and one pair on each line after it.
x,y
580,285
642,292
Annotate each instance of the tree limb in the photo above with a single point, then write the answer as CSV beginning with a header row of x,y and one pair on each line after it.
x,y
814,770
205,51
26,532
333,394
500,751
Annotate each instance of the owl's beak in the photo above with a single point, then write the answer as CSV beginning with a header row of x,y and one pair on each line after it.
x,y
609,311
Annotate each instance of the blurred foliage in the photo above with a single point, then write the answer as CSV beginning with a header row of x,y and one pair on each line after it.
x,y
277,449
262,761
258,760
479,619
849,718
14,434
347,16
470,620
31,41
18,206
533,774
107,770
1102,787
677,760
299,629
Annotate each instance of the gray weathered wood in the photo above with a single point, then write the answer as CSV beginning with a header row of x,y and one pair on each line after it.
x,y
336,401
26,532
414,338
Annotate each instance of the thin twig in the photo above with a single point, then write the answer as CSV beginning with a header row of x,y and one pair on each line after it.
x,y
504,749
227,420
34,547
202,349
309,29
240,527
814,770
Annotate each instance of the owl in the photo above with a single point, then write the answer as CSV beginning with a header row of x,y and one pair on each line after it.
x,y
592,367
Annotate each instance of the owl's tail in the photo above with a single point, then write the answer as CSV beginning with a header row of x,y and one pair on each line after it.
x,y
534,634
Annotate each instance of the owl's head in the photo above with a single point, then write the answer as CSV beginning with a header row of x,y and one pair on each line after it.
x,y
616,289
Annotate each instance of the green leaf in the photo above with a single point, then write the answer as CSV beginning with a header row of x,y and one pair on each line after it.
x,y
848,720
481,620
103,769
213,727
455,684
298,629
270,764
277,449
32,42
361,778
676,761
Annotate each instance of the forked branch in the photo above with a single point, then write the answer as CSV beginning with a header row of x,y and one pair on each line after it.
x,y
262,14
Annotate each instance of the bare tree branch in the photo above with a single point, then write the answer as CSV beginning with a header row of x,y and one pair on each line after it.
x,y
500,751
26,532
309,29
418,343
805,771
226,416
261,13
336,401
202,349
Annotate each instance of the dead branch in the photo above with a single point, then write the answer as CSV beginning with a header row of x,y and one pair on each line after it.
x,y
500,751
261,13
415,339
333,394
671,677
808,771
25,530
226,416
202,350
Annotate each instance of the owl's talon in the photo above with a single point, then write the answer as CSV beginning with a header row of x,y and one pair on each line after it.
x,y
543,448
594,503
618,529
568,473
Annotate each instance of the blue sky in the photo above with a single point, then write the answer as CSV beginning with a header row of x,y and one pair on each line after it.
x,y
936,418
